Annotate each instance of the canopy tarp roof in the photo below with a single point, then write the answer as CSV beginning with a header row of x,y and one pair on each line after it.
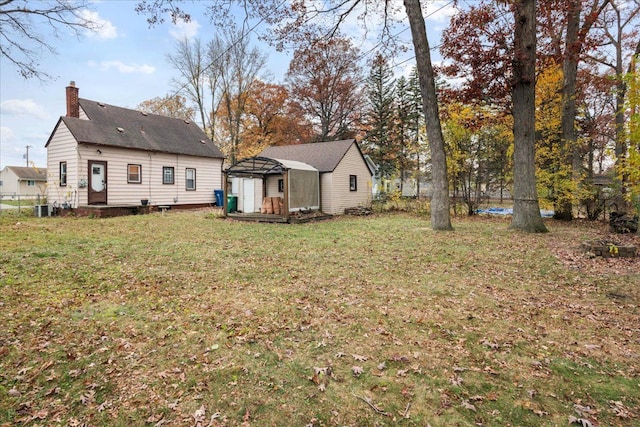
x,y
265,166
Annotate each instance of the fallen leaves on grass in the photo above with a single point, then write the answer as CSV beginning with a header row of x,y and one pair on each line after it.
x,y
466,405
357,370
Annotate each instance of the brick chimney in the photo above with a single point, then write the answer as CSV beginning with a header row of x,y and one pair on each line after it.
x,y
73,106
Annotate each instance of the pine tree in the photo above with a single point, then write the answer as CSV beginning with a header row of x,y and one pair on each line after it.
x,y
417,125
404,130
379,117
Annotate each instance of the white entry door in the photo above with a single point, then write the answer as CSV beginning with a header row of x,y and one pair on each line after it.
x,y
248,197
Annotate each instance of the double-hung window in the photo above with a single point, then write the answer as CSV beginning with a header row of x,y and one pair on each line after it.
x,y
62,177
168,176
353,183
134,174
190,179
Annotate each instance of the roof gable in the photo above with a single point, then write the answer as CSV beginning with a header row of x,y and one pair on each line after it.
x,y
113,126
324,156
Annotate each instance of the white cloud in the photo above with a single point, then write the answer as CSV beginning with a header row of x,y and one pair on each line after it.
x,y
23,107
98,26
182,30
123,68
6,134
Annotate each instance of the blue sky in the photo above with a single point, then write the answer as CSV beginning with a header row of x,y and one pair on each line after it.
x,y
124,63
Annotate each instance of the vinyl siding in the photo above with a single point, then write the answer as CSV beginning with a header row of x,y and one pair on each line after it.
x,y
62,148
83,114
120,192
272,186
340,197
327,204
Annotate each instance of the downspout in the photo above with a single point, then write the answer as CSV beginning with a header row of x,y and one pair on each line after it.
x,y
223,181
224,195
149,178
286,194
320,207
175,179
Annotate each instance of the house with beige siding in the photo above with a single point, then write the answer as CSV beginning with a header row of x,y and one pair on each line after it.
x,y
104,155
21,182
326,176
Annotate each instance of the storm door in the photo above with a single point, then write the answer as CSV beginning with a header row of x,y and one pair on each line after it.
x,y
97,182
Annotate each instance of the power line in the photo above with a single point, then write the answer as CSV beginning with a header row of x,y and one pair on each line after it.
x,y
231,46
380,43
360,58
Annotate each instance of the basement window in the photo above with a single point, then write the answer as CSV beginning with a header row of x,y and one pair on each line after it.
x,y
134,174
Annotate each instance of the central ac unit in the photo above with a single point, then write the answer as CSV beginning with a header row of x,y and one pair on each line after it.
x,y
41,210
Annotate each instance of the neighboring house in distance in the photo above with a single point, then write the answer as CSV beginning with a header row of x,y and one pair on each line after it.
x,y
103,155
23,182
345,174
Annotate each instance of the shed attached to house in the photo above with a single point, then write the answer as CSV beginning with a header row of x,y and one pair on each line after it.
x,y
345,175
100,154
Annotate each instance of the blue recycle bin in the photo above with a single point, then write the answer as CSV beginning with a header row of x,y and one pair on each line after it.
x,y
219,197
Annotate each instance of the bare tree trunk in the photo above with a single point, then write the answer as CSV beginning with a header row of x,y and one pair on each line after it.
x,y
574,42
440,215
570,151
189,60
526,209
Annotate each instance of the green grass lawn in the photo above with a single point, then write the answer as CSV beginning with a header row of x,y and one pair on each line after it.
x,y
188,319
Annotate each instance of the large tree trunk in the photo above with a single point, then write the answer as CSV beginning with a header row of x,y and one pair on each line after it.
x,y
621,132
526,209
570,151
440,215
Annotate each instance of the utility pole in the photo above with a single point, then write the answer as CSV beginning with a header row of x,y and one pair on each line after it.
x,y
27,155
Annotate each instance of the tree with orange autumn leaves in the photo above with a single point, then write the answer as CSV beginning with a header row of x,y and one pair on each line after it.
x,y
324,80
270,118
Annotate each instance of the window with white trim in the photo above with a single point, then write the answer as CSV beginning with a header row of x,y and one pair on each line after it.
x,y
168,176
134,174
190,179
62,177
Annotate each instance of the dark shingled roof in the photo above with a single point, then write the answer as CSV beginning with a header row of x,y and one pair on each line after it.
x,y
324,156
113,126
35,174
